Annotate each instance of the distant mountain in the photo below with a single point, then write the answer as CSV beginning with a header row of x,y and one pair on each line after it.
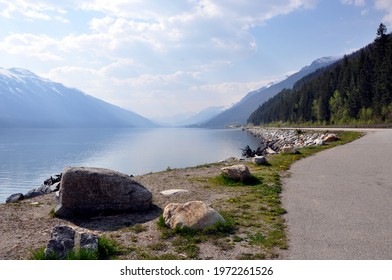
x,y
191,119
27,100
239,113
203,116
357,90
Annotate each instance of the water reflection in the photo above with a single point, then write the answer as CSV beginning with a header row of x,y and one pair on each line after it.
x,y
28,156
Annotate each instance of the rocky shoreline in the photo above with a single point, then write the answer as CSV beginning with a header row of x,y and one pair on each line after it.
x,y
283,140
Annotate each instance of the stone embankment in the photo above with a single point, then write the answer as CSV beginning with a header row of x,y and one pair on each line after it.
x,y
278,140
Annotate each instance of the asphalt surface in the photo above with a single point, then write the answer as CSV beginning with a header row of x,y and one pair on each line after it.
x,y
339,202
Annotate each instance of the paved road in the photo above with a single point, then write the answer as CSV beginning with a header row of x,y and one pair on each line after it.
x,y
339,202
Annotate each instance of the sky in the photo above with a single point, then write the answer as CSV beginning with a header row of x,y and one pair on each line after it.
x,y
168,57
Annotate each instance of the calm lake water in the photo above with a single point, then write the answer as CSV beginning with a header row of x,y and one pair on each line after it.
x,y
29,156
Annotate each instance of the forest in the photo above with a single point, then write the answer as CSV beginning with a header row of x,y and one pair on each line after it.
x,y
355,90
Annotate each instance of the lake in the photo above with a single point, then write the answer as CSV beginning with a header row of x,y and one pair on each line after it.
x,y
29,156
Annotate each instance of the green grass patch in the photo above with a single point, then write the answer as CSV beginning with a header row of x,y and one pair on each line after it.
x,y
52,213
137,228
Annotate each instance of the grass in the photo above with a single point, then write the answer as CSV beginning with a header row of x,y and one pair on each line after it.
x,y
137,228
257,211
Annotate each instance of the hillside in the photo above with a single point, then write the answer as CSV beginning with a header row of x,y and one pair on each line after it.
x,y
27,100
356,90
239,113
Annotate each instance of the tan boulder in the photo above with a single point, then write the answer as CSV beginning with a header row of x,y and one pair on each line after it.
x,y
239,172
193,214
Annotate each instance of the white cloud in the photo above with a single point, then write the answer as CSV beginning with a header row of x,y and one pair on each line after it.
x,y
385,6
359,3
29,45
34,10
146,54
381,5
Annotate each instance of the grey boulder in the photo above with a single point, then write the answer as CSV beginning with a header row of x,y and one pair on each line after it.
x,y
259,160
87,191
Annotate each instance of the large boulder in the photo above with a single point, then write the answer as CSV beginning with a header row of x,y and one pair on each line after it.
x,y
193,214
88,191
239,172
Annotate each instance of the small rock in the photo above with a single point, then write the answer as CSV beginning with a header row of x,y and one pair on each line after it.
x,y
260,160
239,172
193,214
319,142
89,241
33,193
270,151
330,138
55,187
61,242
173,191
289,150
15,198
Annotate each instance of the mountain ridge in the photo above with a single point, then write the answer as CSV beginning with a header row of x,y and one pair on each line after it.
x,y
239,113
28,100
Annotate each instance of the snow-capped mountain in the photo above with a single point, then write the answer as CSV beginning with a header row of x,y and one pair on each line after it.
x,y
27,100
239,113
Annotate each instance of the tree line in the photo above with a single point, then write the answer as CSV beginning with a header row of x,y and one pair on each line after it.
x,y
355,90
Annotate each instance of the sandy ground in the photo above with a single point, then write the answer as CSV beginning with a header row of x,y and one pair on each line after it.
x,y
26,225
339,201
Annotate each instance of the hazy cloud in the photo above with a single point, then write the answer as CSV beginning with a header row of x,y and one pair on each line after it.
x,y
138,52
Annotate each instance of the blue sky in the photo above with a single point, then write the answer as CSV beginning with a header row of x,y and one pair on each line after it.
x,y
161,58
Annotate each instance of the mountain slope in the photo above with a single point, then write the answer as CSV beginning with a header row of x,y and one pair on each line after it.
x,y
27,100
239,113
202,116
355,90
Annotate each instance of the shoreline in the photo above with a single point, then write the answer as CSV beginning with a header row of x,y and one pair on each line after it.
x,y
256,210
